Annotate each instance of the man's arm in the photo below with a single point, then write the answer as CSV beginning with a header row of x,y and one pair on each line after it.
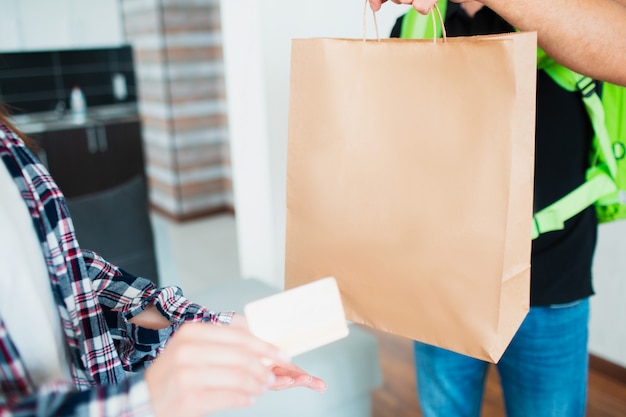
x,y
588,36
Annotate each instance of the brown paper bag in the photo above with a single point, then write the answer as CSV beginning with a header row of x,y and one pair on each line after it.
x,y
410,175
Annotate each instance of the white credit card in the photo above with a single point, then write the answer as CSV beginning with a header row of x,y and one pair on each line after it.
x,y
299,319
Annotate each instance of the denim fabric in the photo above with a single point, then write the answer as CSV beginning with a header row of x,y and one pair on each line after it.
x,y
543,371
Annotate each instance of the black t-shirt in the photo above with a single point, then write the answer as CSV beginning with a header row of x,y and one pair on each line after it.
x,y
561,261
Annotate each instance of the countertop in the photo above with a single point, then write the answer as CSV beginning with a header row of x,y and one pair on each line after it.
x,y
34,123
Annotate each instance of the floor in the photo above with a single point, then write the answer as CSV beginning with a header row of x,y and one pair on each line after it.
x,y
198,254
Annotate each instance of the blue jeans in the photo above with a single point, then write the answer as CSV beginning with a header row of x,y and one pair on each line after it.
x,y
543,371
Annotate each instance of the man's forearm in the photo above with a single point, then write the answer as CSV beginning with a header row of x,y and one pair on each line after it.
x,y
588,36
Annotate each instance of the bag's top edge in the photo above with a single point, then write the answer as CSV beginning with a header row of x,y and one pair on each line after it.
x,y
476,38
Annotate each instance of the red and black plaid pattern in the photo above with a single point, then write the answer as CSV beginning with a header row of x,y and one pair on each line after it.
x,y
95,300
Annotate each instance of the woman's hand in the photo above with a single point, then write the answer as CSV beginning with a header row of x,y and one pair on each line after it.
x,y
290,376
287,375
205,368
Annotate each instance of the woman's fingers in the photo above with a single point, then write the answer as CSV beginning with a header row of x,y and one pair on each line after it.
x,y
232,337
201,360
198,391
213,400
292,376
206,368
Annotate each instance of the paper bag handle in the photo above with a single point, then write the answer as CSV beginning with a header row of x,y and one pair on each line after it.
x,y
365,22
444,36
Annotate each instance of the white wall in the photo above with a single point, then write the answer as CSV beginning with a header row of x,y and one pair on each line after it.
x,y
59,24
257,41
607,337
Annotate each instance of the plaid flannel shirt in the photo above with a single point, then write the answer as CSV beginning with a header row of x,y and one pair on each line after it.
x,y
95,301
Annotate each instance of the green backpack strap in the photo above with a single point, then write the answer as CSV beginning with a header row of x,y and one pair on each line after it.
x,y
613,207
601,175
419,26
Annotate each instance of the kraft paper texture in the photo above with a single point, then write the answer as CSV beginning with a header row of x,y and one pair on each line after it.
x,y
410,180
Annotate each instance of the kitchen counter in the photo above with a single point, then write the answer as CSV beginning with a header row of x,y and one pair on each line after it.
x,y
34,123
104,147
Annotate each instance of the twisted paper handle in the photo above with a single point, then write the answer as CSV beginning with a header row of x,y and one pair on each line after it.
x,y
365,21
444,35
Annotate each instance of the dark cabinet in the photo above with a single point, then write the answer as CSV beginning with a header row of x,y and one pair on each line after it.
x,y
94,157
124,152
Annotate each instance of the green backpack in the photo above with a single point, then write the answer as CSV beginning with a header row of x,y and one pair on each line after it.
x,y
605,184
613,206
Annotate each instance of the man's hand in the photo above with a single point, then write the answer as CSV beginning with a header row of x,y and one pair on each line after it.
x,y
583,38
422,6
